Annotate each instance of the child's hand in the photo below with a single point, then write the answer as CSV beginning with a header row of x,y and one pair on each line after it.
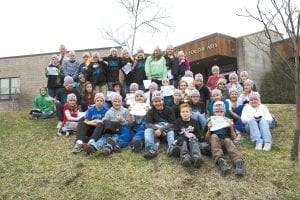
x,y
209,125
231,123
175,142
157,133
118,117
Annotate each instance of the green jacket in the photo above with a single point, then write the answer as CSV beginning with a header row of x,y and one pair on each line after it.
x,y
43,103
156,69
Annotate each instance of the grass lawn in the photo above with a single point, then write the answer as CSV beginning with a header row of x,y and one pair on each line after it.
x,y
37,164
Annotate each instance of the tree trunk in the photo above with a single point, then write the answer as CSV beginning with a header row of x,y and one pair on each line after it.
x,y
295,146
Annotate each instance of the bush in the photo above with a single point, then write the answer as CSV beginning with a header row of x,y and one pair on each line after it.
x,y
276,86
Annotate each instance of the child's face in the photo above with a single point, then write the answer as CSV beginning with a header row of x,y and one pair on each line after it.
x,y
89,88
185,114
114,54
165,83
82,79
254,103
117,88
99,103
182,86
43,91
54,61
72,57
139,99
216,72
195,99
243,78
247,88
233,96
151,89
140,55
198,83
233,80
219,113
116,104
72,102
158,104
170,51
217,97
221,86
69,86
177,97
126,55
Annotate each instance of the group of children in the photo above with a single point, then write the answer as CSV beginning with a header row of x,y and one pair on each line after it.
x,y
193,119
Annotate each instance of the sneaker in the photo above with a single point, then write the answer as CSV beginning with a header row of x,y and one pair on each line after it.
x,y
77,148
174,151
239,168
151,153
258,146
67,133
105,152
59,132
197,160
116,146
224,167
267,146
59,124
186,160
89,149
137,146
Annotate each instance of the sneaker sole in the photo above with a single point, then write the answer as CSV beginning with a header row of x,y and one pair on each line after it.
x,y
138,146
198,162
115,146
175,152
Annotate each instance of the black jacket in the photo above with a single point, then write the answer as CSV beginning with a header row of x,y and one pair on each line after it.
x,y
114,65
97,76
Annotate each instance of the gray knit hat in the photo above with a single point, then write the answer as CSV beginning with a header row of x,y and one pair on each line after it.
x,y
216,92
99,95
133,87
153,85
194,93
116,97
68,80
71,96
140,92
198,77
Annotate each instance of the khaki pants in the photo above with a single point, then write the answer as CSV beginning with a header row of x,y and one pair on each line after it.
x,y
102,89
217,151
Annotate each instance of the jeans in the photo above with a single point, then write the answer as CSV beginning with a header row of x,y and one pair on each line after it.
x,y
259,131
149,139
125,136
42,115
102,142
200,118
139,134
190,148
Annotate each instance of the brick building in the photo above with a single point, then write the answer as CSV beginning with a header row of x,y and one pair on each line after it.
x,y
22,76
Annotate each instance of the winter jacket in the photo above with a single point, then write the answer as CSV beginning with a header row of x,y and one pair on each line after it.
x,y
43,103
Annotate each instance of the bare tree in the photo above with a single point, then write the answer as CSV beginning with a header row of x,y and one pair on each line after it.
x,y
284,15
142,14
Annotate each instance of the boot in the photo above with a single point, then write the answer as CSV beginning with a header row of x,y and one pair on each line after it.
x,y
239,168
224,167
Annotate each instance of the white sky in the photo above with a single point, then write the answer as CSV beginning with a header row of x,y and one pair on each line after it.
x,y
40,26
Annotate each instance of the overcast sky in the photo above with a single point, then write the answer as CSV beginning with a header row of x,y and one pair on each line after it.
x,y
40,26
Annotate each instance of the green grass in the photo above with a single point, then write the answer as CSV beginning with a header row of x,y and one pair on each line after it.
x,y
37,164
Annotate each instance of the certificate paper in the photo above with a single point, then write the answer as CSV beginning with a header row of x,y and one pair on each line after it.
x,y
139,109
219,122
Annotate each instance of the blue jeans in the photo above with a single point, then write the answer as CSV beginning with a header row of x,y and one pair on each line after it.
x,y
149,139
102,142
125,136
259,131
200,118
43,115
139,134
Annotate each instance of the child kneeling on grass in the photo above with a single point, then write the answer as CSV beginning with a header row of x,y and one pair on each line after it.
x,y
115,121
187,135
220,134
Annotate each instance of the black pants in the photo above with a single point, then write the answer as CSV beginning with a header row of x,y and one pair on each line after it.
x,y
190,147
60,111
86,132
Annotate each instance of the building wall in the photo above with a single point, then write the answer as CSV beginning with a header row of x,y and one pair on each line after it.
x,y
31,70
253,56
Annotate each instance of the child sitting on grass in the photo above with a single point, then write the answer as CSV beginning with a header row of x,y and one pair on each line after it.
x,y
43,105
187,135
115,120
220,134
71,115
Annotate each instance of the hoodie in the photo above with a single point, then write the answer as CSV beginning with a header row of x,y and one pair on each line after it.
x,y
43,103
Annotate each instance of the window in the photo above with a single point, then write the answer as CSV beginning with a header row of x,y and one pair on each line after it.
x,y
9,88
